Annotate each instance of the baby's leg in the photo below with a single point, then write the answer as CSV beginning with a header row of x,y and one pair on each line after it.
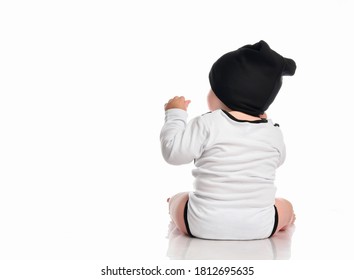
x,y
177,204
286,216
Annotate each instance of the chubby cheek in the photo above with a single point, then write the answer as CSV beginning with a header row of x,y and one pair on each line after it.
x,y
212,102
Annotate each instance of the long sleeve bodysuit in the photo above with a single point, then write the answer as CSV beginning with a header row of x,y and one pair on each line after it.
x,y
234,191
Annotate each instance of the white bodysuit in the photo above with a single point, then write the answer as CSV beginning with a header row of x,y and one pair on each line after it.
x,y
235,163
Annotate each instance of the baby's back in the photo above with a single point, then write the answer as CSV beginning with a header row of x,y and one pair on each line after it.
x,y
234,179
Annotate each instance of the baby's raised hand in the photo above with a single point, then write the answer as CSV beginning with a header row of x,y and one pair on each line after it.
x,y
178,102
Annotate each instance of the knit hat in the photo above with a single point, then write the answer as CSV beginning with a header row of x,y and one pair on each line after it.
x,y
249,78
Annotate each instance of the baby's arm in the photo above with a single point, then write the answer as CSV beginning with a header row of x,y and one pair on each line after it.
x,y
181,142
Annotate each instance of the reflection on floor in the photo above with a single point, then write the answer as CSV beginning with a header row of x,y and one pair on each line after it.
x,y
182,247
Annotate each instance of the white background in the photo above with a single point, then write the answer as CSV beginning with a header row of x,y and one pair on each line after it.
x,y
82,89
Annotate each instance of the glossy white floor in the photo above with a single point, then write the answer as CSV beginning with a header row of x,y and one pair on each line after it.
x,y
88,225
293,244
326,239
181,247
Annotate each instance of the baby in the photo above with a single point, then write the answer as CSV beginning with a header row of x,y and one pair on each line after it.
x,y
235,149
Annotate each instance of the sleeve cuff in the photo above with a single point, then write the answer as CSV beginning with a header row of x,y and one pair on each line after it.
x,y
176,113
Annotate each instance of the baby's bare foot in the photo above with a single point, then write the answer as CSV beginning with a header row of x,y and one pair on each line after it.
x,y
294,219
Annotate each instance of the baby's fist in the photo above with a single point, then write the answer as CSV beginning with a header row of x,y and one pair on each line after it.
x,y
178,102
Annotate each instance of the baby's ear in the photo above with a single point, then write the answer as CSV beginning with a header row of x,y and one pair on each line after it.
x,y
263,116
289,67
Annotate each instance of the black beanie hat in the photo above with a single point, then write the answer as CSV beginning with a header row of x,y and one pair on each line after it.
x,y
249,78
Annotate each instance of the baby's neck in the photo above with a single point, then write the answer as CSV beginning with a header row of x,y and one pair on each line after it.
x,y
242,116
